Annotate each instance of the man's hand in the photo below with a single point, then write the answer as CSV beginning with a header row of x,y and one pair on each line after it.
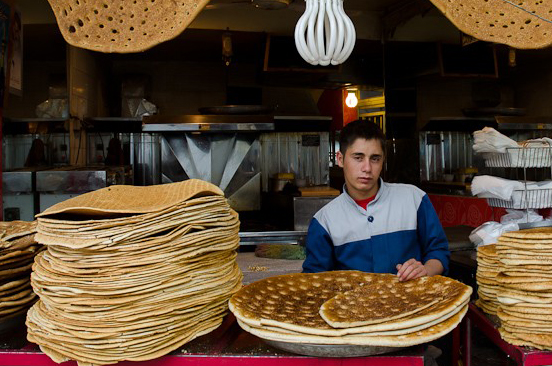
x,y
411,269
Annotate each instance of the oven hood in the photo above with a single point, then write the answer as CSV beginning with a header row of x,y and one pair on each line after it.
x,y
234,123
208,123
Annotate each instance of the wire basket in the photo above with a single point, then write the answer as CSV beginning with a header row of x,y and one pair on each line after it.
x,y
520,157
525,199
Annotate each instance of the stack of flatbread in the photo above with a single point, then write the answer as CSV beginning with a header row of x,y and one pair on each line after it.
x,y
17,251
351,308
525,294
488,268
132,273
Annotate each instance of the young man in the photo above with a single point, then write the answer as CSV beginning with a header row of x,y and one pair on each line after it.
x,y
375,226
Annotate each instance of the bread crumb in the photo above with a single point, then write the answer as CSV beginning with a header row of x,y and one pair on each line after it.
x,y
257,268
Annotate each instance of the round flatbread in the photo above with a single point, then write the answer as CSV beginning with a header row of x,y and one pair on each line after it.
x,y
123,26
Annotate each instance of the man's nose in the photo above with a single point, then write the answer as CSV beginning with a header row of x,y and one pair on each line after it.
x,y
366,166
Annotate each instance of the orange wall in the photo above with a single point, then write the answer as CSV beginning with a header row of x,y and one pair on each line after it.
x,y
332,103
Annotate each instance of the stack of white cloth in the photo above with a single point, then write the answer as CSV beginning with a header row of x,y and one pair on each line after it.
x,y
538,194
499,150
489,140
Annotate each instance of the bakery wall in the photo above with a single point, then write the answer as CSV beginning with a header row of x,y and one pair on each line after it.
x,y
533,81
44,65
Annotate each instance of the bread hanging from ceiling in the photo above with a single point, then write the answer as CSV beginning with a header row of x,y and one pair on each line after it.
x,y
519,24
123,26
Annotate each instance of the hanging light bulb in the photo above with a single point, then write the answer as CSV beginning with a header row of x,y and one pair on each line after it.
x,y
324,34
351,101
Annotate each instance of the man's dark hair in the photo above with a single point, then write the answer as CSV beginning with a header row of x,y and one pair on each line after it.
x,y
360,129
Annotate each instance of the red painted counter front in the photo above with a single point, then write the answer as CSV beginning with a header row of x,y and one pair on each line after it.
x,y
523,356
228,345
460,210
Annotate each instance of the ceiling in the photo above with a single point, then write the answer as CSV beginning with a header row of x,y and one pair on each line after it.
x,y
240,15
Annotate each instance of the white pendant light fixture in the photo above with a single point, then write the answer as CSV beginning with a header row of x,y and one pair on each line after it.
x,y
324,34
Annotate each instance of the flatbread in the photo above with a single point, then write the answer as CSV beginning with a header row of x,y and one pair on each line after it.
x,y
131,273
405,340
487,251
520,25
123,26
292,302
389,299
10,230
534,233
123,199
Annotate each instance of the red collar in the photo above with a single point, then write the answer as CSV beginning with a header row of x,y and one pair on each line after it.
x,y
364,203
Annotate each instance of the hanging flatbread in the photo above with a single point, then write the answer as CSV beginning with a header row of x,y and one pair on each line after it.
x,y
523,24
123,26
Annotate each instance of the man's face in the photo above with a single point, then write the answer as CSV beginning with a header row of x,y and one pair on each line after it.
x,y
362,164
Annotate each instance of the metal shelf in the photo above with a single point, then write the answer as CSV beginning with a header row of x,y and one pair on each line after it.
x,y
525,199
522,157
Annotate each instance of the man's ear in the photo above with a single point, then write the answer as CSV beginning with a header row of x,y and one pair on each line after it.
x,y
339,157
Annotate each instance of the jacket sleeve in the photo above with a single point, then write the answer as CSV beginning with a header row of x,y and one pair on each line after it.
x,y
320,249
431,236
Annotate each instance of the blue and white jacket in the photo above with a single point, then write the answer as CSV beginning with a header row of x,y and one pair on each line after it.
x,y
399,224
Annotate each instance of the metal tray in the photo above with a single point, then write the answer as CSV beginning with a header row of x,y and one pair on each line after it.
x,y
326,350
530,225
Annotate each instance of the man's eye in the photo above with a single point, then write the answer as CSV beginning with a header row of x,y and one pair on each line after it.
x,y
358,158
376,159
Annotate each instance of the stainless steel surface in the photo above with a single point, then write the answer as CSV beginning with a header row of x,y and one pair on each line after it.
x,y
49,199
17,182
229,160
530,225
145,156
288,152
444,152
207,123
208,127
114,119
304,209
524,123
277,237
247,197
19,206
70,181
458,237
16,149
330,350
